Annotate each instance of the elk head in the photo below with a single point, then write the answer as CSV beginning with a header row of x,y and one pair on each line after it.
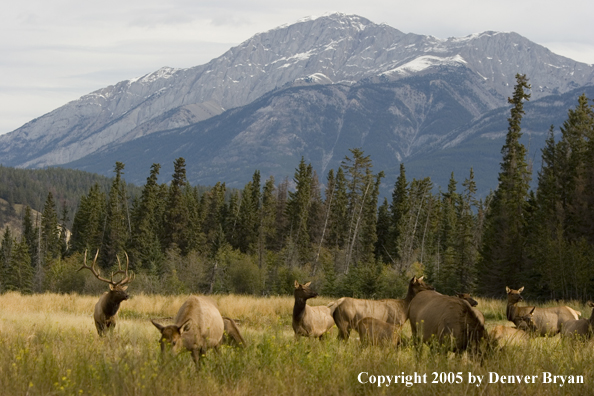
x,y
526,322
513,296
466,296
303,291
172,335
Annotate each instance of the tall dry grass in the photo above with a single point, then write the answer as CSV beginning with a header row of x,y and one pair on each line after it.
x,y
49,346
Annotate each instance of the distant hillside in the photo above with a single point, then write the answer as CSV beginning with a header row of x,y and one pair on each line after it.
x,y
28,187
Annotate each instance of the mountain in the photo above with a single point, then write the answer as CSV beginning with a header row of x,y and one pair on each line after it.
x,y
314,88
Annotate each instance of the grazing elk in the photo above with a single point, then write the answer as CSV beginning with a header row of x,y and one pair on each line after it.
x,y
549,321
580,327
445,317
198,327
109,303
377,332
349,311
501,336
310,321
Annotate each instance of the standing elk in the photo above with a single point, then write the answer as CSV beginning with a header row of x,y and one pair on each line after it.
x,y
580,327
349,311
109,303
310,321
445,317
549,321
198,327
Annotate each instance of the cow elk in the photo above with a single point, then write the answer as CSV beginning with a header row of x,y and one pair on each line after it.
x,y
451,320
198,327
377,332
549,321
349,311
310,321
466,296
502,336
109,303
581,327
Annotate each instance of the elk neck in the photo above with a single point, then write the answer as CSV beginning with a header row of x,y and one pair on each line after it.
x,y
299,308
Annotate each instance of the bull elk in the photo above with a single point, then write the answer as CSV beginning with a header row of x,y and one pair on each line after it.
x,y
198,327
549,321
109,303
445,317
377,332
349,311
310,321
504,335
580,327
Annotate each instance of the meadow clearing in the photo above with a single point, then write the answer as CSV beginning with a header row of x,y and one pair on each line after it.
x,y
49,346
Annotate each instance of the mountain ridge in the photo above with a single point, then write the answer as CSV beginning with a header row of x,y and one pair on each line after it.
x,y
334,49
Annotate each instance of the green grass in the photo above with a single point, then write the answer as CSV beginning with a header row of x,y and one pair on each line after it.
x,y
49,346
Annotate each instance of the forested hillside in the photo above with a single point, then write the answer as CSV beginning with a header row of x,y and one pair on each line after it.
x,y
334,229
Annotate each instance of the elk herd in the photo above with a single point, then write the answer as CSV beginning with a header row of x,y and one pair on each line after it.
x,y
452,321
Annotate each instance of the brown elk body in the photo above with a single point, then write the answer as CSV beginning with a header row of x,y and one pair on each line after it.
x,y
198,327
432,314
377,332
310,321
580,327
349,311
549,321
109,303
508,336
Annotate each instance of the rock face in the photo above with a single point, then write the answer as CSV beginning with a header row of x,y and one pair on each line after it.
x,y
339,51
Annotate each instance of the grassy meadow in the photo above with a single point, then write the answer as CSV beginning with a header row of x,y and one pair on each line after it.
x,y
49,346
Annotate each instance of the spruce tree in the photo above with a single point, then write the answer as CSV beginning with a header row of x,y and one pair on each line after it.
x,y
503,254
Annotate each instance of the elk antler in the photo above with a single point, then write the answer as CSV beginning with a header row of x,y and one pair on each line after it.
x,y
126,279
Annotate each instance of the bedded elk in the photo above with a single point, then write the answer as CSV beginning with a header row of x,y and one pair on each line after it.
x,y
502,336
377,332
549,321
433,314
349,311
580,327
310,321
109,303
198,327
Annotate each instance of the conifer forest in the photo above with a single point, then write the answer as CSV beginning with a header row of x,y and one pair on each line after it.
x,y
332,229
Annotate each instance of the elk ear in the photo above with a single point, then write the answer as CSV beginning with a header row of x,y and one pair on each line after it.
x,y
158,326
124,288
520,289
507,289
296,284
307,284
186,326
533,308
421,278
590,304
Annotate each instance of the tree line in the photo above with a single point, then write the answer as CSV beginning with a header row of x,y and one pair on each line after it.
x,y
336,232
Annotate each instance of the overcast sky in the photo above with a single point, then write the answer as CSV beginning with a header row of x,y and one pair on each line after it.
x,y
52,52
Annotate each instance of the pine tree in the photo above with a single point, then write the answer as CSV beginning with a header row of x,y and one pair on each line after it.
x,y
117,231
176,213
50,231
6,250
503,253
19,274
88,227
298,206
399,211
30,234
